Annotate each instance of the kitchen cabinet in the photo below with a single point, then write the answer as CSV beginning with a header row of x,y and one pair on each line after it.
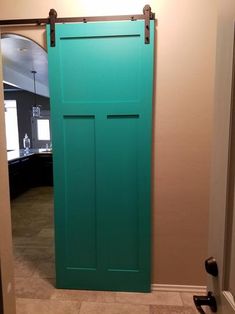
x,y
20,172
43,170
26,171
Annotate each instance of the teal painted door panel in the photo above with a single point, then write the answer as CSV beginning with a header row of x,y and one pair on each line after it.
x,y
101,77
79,161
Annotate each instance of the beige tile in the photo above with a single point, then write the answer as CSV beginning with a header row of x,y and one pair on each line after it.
x,y
23,268
112,308
161,309
106,296
78,295
187,298
84,295
33,287
45,270
31,306
38,254
155,297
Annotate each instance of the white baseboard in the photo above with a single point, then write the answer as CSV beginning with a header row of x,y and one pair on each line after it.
x,y
179,288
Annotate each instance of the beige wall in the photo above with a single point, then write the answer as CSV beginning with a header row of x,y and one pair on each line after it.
x,y
6,258
184,87
185,51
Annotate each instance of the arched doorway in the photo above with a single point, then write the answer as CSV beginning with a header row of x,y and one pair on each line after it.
x,y
30,173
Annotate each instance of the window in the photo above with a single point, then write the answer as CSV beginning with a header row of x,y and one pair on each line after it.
x,y
43,130
11,123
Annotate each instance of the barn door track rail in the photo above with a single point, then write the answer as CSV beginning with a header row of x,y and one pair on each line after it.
x,y
53,19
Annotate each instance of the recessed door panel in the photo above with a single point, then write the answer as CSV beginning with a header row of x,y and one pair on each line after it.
x,y
122,190
79,161
109,69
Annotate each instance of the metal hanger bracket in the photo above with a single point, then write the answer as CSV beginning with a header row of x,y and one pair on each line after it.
x,y
52,18
147,14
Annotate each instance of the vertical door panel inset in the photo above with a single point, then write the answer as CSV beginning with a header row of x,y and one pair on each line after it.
x,y
79,140
122,190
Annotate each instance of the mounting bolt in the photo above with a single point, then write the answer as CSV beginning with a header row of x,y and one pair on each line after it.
x,y
146,8
53,13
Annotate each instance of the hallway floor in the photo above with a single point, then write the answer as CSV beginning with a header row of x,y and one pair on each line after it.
x,y
32,223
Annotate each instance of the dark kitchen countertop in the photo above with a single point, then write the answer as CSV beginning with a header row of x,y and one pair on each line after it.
x,y
21,153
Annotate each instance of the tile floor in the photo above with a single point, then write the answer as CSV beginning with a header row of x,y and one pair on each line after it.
x,y
32,222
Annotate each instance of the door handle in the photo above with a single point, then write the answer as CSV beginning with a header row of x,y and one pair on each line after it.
x,y
208,300
211,266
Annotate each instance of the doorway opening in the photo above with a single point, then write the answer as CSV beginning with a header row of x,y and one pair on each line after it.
x,y
30,170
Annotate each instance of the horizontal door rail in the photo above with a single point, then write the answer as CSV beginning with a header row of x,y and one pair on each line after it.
x,y
53,19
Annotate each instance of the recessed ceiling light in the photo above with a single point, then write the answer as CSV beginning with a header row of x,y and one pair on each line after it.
x,y
22,49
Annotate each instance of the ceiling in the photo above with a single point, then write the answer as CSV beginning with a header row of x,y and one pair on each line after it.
x,y
21,56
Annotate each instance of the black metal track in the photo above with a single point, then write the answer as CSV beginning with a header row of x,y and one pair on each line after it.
x,y
52,20
45,21
25,22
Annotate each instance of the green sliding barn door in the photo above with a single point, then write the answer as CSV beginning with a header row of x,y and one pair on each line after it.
x,y
101,77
